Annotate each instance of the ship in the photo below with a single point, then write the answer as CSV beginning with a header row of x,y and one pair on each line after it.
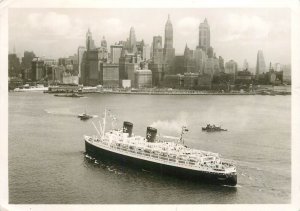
x,y
68,95
154,153
212,128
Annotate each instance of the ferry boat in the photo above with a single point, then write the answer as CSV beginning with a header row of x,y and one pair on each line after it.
x,y
213,128
152,153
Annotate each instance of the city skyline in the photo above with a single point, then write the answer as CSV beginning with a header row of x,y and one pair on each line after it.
x,y
231,30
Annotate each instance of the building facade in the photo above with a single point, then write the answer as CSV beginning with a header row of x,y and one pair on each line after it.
x,y
143,79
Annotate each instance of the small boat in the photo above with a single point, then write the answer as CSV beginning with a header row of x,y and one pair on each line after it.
x,y
84,116
68,95
212,128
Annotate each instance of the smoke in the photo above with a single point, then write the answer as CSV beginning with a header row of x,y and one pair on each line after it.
x,y
171,126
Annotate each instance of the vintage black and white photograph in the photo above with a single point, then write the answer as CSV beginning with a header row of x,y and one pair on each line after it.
x,y
149,105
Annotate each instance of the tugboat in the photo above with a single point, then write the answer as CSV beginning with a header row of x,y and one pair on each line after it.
x,y
84,116
154,154
212,128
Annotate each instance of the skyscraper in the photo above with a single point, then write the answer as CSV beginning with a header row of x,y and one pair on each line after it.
x,y
260,63
132,41
157,50
157,62
90,45
115,53
80,53
168,51
204,36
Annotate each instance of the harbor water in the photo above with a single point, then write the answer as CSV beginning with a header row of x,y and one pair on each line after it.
x,y
47,162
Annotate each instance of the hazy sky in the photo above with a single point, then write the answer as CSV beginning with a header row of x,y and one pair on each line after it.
x,y
235,33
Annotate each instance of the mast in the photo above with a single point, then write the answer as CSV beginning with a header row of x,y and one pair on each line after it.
x,y
104,121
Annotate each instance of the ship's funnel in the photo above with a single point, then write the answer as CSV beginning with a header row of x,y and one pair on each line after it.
x,y
151,134
127,128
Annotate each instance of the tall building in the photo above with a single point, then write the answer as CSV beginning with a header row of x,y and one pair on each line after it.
x,y
157,62
37,69
157,50
14,68
200,58
189,61
90,45
168,51
143,79
115,53
110,75
146,52
80,53
260,63
132,41
221,64
204,36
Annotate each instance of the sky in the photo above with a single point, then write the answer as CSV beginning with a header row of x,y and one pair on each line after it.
x,y
236,33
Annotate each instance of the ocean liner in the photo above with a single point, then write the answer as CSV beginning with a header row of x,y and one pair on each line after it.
x,y
155,153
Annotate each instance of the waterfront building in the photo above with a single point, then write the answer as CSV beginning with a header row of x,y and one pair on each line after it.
x,y
189,61
168,51
57,73
27,59
200,58
80,53
68,78
115,53
190,80
157,73
26,65
173,81
128,64
37,69
178,65
90,67
204,81
156,65
110,75
231,67
157,50
286,71
14,66
260,63
143,79
204,36
211,66
243,77
90,45
130,69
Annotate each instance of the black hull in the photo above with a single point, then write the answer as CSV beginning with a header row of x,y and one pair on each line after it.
x,y
189,174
